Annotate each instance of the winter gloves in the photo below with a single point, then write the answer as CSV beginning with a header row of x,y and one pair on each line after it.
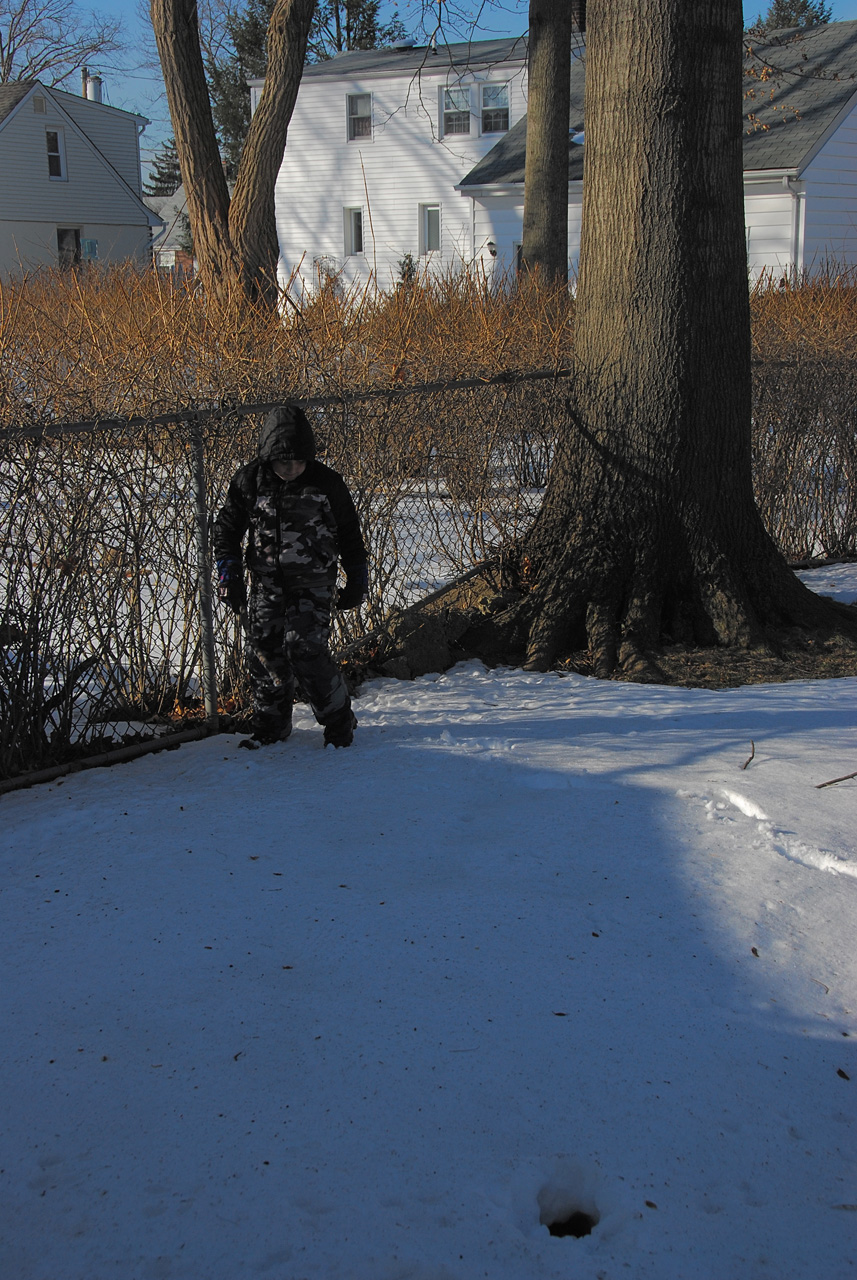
x,y
230,579
230,588
356,586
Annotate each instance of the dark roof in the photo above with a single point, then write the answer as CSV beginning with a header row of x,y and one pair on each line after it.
x,y
11,95
453,57
812,76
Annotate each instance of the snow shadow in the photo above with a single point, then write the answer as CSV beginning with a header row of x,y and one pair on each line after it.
x,y
389,1014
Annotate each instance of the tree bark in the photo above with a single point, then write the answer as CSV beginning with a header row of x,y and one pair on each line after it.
x,y
236,247
252,225
649,528
177,34
545,235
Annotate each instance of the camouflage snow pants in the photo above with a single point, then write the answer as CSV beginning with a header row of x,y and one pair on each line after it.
x,y
286,637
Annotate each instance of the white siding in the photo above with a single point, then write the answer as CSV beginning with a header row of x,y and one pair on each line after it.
x,y
34,244
769,216
33,205
831,200
403,166
114,133
769,212
500,219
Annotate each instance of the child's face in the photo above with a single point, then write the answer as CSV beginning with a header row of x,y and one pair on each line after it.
x,y
288,468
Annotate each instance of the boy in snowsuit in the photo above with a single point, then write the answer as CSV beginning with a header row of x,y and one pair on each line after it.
x,y
301,519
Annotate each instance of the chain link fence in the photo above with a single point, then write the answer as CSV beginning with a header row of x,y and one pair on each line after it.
x,y
109,636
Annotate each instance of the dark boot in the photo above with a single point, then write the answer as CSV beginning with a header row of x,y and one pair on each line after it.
x,y
339,731
268,727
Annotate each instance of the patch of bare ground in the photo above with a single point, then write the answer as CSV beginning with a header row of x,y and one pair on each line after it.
x,y
796,658
458,622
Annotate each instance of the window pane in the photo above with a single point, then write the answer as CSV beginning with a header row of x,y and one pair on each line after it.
x,y
432,228
68,247
356,230
456,110
495,108
456,99
359,115
54,156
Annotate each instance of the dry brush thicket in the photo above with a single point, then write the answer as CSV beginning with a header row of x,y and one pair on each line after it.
x,y
99,631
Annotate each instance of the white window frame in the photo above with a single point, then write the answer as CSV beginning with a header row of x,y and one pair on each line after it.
x,y
351,117
425,236
444,111
58,155
355,240
483,110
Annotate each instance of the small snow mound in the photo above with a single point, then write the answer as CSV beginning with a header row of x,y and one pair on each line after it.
x,y
746,806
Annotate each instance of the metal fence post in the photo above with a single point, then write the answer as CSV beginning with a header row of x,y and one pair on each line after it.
x,y
203,561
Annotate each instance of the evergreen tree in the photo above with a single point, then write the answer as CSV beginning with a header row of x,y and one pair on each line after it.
x,y
339,25
794,13
228,76
165,177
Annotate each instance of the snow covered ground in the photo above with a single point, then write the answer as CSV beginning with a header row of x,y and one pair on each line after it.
x,y
535,944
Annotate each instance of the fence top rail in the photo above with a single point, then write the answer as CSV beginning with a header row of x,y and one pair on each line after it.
x,y
195,417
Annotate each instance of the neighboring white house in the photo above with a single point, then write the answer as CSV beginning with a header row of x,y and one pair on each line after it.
x,y
800,159
170,247
70,186
377,142
378,163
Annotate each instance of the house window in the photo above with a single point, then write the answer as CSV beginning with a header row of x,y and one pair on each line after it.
x,y
353,231
56,155
495,108
429,228
359,116
39,105
456,111
68,247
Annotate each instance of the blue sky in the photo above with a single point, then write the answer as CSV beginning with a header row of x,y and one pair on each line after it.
x,y
130,85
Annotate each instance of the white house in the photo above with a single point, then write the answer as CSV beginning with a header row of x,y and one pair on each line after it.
x,y
800,159
70,185
418,151
377,142
170,244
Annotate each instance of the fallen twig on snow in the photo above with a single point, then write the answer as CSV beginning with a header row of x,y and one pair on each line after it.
x,y
751,755
845,778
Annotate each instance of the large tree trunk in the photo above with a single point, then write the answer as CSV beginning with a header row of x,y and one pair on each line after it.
x,y
545,236
649,527
236,247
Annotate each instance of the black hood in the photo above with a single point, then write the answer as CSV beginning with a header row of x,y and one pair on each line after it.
x,y
286,433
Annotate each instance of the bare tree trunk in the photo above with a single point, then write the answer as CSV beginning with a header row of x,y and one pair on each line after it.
x,y
236,248
649,528
545,236
177,33
252,225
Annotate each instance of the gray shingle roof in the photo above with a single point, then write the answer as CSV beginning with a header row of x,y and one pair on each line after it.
x,y
11,95
812,79
457,57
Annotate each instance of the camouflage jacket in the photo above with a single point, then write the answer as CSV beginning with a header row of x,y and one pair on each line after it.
x,y
297,528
